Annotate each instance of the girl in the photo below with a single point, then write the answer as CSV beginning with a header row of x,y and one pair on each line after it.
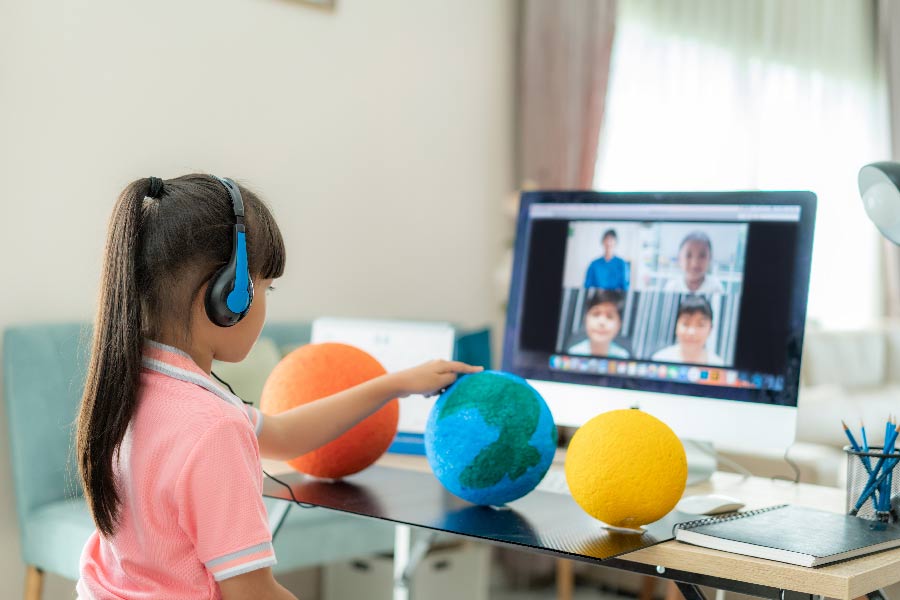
x,y
692,328
602,323
694,256
169,461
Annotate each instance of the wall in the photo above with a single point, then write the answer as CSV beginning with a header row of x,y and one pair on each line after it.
x,y
380,134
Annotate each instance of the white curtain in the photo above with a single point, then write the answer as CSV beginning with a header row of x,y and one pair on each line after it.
x,y
762,94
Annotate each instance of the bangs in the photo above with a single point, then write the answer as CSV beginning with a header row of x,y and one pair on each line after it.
x,y
265,245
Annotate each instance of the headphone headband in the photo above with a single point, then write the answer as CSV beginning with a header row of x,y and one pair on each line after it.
x,y
237,202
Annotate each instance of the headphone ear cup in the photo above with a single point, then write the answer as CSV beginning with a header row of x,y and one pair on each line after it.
x,y
216,294
220,286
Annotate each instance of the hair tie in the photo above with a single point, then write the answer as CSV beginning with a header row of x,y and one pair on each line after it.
x,y
156,187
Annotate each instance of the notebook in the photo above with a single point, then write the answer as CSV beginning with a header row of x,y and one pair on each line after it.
x,y
793,534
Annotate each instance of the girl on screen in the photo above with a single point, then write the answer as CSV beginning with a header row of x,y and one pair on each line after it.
x,y
602,323
694,256
692,329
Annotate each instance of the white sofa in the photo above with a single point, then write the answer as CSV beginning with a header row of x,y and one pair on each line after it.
x,y
852,376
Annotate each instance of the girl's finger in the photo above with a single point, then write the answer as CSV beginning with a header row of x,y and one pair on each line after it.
x,y
459,367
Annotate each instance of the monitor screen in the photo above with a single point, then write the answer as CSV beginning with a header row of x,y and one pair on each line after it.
x,y
699,294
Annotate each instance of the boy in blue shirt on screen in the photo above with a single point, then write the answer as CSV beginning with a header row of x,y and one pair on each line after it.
x,y
609,272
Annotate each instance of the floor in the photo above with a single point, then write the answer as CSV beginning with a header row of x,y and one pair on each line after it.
x,y
581,593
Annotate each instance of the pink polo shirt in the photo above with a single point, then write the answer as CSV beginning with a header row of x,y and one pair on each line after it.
x,y
190,482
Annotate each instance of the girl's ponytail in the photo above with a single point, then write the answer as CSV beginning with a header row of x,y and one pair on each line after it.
x,y
110,392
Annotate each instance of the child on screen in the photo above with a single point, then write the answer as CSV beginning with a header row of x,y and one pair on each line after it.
x,y
692,329
170,461
694,256
602,323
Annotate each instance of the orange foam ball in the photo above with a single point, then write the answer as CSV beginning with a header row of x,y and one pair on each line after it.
x,y
316,371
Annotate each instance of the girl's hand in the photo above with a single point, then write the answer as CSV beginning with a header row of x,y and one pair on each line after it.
x,y
429,378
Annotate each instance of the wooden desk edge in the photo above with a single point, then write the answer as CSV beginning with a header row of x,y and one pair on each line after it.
x,y
843,581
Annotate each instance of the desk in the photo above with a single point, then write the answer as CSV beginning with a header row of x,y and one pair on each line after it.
x,y
687,565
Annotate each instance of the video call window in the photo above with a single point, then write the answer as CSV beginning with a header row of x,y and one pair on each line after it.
x,y
666,292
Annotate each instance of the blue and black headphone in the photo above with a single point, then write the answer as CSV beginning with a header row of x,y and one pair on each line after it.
x,y
229,293
230,290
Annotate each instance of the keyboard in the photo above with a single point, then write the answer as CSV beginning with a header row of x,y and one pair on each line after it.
x,y
554,481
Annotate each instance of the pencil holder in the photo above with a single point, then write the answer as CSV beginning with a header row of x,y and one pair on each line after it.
x,y
872,490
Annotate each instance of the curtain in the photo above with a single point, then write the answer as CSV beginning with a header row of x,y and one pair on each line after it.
x,y
889,57
564,52
768,94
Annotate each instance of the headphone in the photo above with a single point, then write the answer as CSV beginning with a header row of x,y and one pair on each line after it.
x,y
229,293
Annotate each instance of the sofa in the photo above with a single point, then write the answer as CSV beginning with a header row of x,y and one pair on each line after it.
x,y
852,376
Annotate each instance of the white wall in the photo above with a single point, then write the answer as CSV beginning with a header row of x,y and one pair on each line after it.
x,y
380,134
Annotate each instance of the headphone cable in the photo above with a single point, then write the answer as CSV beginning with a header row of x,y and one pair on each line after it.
x,y
272,477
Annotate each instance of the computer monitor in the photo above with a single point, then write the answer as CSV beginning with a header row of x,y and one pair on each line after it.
x,y
690,306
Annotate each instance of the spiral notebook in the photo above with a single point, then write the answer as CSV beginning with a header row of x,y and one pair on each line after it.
x,y
792,534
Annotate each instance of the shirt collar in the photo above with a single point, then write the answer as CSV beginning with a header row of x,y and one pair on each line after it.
x,y
172,362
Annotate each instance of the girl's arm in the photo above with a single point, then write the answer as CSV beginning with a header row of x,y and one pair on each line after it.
x,y
255,585
306,427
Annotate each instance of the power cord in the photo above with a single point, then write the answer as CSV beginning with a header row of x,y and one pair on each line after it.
x,y
793,466
272,477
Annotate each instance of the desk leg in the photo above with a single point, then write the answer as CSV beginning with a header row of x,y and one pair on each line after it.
x,y
402,550
406,558
277,515
690,591
565,579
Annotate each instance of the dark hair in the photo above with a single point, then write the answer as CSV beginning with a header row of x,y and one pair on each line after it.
x,y
696,236
601,296
159,253
695,304
609,233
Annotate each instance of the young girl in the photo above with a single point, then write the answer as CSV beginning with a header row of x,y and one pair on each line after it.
x,y
692,328
694,256
602,323
169,461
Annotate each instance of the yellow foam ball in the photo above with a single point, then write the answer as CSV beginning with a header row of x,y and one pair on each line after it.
x,y
626,468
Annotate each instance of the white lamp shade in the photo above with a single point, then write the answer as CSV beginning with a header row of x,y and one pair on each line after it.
x,y
878,186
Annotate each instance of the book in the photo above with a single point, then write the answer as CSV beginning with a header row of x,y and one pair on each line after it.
x,y
792,534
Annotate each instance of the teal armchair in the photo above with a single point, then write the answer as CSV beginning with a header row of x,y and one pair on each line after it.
x,y
44,368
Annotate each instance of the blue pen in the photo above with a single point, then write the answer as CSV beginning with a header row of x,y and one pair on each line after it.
x,y
877,478
855,446
870,487
884,491
865,459
888,485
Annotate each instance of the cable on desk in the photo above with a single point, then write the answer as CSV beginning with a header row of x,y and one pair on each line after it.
x,y
290,490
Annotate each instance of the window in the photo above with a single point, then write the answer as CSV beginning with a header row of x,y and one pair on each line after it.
x,y
725,95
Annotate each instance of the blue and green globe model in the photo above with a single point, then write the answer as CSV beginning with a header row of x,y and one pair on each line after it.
x,y
490,438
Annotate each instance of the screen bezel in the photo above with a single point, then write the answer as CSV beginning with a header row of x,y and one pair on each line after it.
x,y
787,396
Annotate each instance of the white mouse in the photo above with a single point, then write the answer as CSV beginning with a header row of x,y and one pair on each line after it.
x,y
708,504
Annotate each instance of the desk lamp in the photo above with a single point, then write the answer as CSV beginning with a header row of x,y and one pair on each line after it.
x,y
879,186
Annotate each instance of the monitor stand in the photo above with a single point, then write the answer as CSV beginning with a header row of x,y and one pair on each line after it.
x,y
701,460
